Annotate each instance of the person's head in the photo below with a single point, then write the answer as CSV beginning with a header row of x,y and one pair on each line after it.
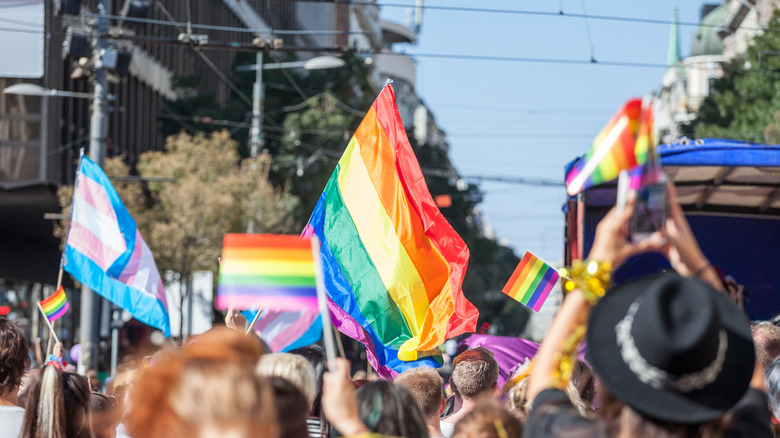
x,y
292,367
57,405
291,407
425,386
207,388
766,337
475,373
584,381
13,358
518,404
488,420
102,409
316,357
390,409
94,381
676,354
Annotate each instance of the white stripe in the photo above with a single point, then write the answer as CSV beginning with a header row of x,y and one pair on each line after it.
x,y
104,227
601,151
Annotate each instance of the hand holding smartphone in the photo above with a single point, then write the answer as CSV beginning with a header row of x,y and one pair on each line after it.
x,y
650,206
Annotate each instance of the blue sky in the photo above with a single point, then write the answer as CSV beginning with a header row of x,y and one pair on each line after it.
x,y
522,119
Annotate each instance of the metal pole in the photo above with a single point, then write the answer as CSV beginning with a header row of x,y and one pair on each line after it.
x,y
97,152
115,340
256,129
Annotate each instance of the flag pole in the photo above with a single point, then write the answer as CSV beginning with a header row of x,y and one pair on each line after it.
x,y
327,335
557,271
254,321
338,341
51,329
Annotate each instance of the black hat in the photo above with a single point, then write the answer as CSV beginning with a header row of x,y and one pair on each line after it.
x,y
672,348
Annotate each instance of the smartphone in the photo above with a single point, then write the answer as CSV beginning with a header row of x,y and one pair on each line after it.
x,y
650,210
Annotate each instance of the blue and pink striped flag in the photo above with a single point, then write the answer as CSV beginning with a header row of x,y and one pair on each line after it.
x,y
287,330
105,251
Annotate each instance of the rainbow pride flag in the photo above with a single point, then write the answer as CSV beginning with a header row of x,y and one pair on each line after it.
x,y
267,270
614,149
531,282
55,305
393,266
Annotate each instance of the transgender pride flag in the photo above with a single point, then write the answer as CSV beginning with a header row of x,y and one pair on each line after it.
x,y
287,330
105,251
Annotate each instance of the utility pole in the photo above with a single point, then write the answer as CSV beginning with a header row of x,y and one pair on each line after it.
x,y
256,128
98,128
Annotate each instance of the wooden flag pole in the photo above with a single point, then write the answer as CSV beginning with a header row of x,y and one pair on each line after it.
x,y
337,335
254,321
327,335
51,329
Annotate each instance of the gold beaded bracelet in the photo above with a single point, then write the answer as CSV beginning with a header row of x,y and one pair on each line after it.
x,y
566,357
589,276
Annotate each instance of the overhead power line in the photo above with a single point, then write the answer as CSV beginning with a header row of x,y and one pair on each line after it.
x,y
227,28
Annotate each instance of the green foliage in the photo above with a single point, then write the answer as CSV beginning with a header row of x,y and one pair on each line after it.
x,y
744,102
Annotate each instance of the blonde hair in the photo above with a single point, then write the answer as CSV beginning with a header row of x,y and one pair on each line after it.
x,y
426,388
488,420
292,367
517,399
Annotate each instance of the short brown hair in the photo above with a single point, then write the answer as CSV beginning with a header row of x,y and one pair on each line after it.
x,y
488,420
474,372
425,385
13,355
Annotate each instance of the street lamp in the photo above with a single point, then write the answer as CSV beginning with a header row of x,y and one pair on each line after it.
x,y
27,89
255,131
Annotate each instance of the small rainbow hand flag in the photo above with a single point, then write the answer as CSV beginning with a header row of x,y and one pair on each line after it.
x,y
531,282
267,271
55,305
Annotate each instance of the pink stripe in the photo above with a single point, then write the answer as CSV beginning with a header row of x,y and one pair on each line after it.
x,y
85,242
128,273
547,288
60,312
279,303
295,331
95,194
267,320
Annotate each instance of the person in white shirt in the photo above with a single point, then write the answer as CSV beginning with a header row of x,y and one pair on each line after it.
x,y
13,362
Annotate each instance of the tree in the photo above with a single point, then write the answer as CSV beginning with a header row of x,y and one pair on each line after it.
x,y
213,192
743,103
196,192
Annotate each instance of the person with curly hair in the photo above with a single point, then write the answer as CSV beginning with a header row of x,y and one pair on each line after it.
x,y
13,361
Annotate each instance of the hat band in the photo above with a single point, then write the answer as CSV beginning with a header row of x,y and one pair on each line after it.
x,y
656,377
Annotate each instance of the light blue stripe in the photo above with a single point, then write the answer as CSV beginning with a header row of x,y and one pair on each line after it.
x,y
142,306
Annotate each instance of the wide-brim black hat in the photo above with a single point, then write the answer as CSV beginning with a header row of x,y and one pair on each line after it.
x,y
672,348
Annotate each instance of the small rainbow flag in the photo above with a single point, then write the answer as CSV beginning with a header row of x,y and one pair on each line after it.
x,y
613,150
531,282
55,305
267,270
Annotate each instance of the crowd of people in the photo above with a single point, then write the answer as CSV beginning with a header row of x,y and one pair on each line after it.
x,y
667,356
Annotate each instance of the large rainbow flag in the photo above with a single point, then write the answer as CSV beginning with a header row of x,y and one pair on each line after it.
x,y
621,145
393,266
